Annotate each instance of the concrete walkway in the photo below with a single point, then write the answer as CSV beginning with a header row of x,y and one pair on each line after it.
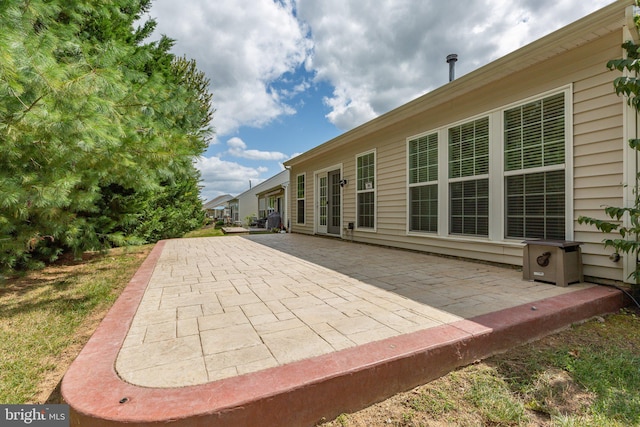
x,y
210,314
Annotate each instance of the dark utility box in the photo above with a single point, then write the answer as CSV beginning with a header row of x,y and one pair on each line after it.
x,y
553,261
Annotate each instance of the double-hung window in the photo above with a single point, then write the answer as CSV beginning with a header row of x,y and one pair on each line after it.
x,y
366,177
423,183
300,198
469,178
534,169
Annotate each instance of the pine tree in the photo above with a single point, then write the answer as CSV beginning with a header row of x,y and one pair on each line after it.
x,y
92,121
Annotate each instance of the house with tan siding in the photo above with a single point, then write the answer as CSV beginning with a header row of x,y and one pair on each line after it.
x,y
516,150
264,198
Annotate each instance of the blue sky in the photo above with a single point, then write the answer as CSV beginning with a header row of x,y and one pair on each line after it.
x,y
288,75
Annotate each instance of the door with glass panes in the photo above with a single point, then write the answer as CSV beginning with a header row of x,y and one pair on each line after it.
x,y
329,202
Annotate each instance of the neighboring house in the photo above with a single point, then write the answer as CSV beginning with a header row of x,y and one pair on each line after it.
x,y
234,210
218,207
516,150
265,197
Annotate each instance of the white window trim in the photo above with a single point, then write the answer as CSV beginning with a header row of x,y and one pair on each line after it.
x,y
497,174
486,176
567,166
375,192
408,230
304,199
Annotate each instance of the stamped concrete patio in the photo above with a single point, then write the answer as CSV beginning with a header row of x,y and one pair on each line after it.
x,y
287,329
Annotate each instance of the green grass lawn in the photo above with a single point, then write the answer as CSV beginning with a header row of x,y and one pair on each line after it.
x,y
587,375
47,316
205,232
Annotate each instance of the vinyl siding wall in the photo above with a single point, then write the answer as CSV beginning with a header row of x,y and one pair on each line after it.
x,y
596,167
598,158
248,201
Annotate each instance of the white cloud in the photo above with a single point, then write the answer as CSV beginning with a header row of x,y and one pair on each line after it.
x,y
221,177
349,107
374,54
238,148
379,54
243,46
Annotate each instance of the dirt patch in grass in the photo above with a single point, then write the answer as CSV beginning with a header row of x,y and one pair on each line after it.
x,y
586,375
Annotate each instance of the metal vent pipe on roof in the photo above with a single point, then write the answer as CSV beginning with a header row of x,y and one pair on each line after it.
x,y
451,60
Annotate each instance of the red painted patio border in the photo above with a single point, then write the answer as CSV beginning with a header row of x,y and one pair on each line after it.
x,y
304,392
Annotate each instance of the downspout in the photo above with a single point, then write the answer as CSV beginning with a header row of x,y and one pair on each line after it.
x,y
632,11
286,200
632,32
285,208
